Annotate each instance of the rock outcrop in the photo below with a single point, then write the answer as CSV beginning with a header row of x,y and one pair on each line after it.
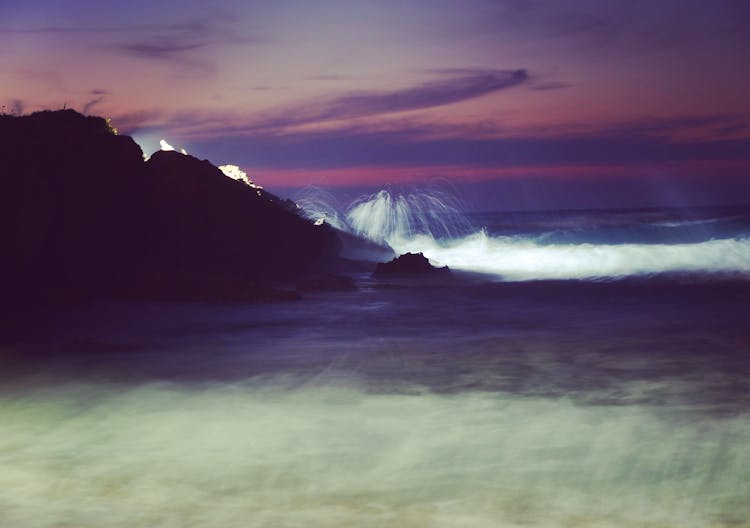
x,y
409,264
82,215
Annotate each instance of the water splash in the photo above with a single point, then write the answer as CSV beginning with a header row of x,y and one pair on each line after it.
x,y
320,206
394,217
432,223
388,217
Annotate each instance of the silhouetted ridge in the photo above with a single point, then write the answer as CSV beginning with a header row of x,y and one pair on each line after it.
x,y
84,216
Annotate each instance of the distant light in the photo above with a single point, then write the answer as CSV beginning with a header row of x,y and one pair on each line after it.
x,y
165,146
234,172
110,127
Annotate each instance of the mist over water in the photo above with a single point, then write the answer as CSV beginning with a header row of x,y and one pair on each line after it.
x,y
267,454
469,404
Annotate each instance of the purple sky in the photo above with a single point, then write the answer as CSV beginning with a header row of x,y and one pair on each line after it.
x,y
514,103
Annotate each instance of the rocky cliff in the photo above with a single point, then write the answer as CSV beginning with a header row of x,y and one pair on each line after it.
x,y
82,215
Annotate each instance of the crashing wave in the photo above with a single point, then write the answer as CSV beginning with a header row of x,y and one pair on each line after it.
x,y
433,225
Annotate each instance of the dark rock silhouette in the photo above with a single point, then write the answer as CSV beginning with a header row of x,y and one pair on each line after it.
x,y
327,283
409,264
83,216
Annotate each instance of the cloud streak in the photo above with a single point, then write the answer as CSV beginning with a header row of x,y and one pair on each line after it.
x,y
100,95
175,43
628,144
589,28
469,85
453,89
178,43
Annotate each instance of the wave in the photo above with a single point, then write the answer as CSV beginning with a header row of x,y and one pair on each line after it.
x,y
524,259
700,221
433,225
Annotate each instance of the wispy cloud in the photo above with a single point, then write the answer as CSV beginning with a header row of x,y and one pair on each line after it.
x,y
700,126
467,85
175,43
622,27
69,30
329,77
733,128
178,43
625,144
99,97
342,110
456,86
161,47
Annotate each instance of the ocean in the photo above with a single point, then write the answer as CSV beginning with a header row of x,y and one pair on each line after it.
x,y
579,369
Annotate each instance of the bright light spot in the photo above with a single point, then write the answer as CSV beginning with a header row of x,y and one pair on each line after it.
x,y
234,172
320,221
110,127
169,148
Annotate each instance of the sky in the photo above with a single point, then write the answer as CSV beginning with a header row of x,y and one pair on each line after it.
x,y
512,104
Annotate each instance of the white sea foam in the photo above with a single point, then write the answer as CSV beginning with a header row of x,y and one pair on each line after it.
x,y
432,224
516,258
264,455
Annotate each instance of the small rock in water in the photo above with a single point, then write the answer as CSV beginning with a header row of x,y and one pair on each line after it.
x,y
408,264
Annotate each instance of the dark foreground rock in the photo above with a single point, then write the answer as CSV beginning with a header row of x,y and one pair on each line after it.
x,y
409,264
327,283
83,216
208,289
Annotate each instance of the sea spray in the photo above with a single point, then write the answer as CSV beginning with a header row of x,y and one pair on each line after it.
x,y
388,216
396,217
320,206
558,245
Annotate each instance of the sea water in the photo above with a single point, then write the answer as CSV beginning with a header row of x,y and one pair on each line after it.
x,y
532,394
